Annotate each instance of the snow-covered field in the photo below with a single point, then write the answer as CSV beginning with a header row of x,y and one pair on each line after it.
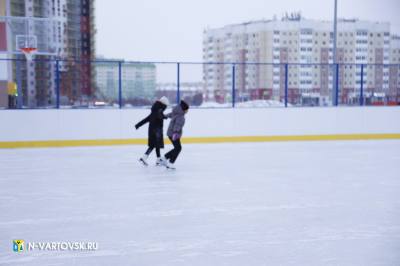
x,y
294,203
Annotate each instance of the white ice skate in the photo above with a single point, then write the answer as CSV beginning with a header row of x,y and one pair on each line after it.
x,y
162,161
165,162
169,165
159,162
143,160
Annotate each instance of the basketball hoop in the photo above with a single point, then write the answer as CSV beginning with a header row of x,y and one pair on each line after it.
x,y
29,52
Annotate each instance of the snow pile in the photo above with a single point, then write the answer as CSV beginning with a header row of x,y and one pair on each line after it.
x,y
255,103
260,103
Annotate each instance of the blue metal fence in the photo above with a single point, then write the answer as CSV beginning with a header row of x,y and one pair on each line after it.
x,y
45,83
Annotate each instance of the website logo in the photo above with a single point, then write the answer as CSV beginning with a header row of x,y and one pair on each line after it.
x,y
18,245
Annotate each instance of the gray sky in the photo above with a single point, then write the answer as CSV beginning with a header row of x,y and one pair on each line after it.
x,y
160,30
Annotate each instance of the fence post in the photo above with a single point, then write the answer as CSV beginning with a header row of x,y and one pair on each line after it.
x,y
178,95
233,86
19,84
57,84
286,85
120,84
337,85
362,86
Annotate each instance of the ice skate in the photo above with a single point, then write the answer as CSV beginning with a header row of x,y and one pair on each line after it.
x,y
143,160
169,165
159,162
163,161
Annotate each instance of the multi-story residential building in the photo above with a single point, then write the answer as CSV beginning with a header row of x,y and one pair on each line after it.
x,y
138,81
307,47
394,69
64,29
78,78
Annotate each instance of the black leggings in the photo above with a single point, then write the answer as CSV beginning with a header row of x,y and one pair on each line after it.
x,y
11,101
173,154
150,149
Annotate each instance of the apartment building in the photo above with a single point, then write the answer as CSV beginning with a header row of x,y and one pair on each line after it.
x,y
138,81
307,47
394,69
77,77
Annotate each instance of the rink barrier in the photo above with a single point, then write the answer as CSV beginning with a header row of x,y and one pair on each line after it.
x,y
362,96
194,140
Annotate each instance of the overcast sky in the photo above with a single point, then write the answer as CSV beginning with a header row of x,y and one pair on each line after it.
x,y
160,30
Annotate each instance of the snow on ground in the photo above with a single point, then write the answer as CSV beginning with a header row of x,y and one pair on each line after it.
x,y
254,103
283,203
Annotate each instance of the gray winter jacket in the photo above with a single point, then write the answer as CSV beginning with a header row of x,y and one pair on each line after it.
x,y
177,121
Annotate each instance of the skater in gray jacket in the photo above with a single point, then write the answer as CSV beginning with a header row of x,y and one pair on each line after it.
x,y
174,133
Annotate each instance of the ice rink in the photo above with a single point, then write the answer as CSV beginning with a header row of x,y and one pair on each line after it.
x,y
282,203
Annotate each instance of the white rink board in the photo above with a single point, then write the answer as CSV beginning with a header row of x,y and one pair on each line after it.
x,y
22,125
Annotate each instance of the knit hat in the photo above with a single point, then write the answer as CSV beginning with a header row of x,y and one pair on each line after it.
x,y
184,105
164,100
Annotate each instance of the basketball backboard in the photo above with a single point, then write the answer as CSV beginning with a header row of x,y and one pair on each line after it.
x,y
30,32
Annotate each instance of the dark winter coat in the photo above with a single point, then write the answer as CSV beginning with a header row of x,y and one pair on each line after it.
x,y
177,121
156,123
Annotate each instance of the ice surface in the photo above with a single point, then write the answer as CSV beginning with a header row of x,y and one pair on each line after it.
x,y
283,203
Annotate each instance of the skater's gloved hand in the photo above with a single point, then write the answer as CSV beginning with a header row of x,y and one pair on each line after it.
x,y
136,127
175,136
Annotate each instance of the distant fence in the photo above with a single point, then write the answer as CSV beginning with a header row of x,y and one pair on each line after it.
x,y
55,83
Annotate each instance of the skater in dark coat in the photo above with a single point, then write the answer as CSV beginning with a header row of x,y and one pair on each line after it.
x,y
174,133
156,123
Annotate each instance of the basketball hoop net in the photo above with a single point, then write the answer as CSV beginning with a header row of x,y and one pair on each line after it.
x,y
29,52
